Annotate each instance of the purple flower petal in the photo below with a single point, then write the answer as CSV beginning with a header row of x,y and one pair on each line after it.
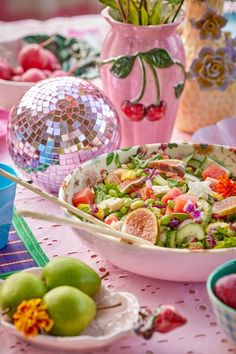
x,y
221,52
223,86
197,215
206,51
231,48
195,67
189,207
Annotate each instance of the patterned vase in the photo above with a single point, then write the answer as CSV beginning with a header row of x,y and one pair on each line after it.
x,y
199,107
143,65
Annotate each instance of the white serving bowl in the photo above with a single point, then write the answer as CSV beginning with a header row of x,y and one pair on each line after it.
x,y
108,326
11,91
152,261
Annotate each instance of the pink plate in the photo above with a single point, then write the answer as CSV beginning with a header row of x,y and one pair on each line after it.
x,y
222,133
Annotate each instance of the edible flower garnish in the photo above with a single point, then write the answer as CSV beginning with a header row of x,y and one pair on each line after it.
x,y
189,207
195,213
226,187
31,317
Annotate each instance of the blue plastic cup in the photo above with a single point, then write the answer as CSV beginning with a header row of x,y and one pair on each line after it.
x,y
7,196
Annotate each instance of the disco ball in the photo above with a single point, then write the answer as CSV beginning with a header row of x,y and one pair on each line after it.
x,y
58,124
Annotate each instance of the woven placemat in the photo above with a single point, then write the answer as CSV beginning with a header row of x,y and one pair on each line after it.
x,y
22,250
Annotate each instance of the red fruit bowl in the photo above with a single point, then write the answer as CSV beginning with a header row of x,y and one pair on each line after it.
x,y
25,61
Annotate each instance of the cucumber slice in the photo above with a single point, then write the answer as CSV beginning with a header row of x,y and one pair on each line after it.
x,y
194,163
188,158
171,239
207,211
207,161
160,190
162,236
192,178
190,230
198,173
159,181
198,157
180,216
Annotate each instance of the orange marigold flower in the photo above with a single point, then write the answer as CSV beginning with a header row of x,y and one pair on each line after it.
x,y
31,317
226,187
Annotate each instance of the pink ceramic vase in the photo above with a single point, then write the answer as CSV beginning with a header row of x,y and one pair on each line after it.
x,y
127,40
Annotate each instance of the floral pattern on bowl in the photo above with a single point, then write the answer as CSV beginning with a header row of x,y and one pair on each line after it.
x,y
107,327
222,133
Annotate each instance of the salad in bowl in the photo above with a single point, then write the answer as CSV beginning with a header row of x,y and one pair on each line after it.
x,y
180,198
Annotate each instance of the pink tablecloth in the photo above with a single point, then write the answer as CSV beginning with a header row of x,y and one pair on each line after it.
x,y
201,335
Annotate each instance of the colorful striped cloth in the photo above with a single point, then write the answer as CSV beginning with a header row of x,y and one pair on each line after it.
x,y
22,250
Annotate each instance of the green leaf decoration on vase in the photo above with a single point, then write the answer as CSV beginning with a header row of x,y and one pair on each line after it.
x,y
159,58
179,89
122,66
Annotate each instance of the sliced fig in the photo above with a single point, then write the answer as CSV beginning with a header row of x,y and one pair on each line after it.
x,y
141,223
169,165
226,206
112,178
125,186
118,172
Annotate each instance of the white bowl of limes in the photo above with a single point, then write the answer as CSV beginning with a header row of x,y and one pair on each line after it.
x,y
101,318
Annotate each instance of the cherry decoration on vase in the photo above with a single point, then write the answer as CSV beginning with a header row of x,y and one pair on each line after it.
x,y
133,111
155,112
157,58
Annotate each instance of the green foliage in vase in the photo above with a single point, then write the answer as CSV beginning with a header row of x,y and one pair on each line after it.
x,y
144,12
